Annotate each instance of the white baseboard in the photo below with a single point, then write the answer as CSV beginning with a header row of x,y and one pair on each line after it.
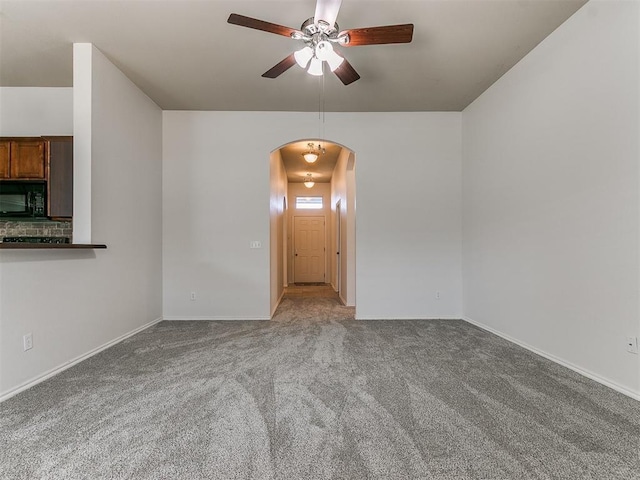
x,y
213,317
61,368
273,311
375,317
559,361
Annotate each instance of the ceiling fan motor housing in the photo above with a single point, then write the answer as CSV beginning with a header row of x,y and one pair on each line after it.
x,y
313,33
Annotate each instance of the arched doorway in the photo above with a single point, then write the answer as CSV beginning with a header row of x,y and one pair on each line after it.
x,y
299,214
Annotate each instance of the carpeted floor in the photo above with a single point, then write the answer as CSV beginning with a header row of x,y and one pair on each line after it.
x,y
315,394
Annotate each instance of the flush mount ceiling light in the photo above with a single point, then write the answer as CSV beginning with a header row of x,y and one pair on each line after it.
x,y
312,154
308,182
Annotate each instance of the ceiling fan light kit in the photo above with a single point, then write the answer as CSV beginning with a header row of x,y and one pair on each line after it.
x,y
303,56
320,33
318,38
325,52
334,61
315,68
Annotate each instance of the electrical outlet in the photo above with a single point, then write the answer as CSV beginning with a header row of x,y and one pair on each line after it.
x,y
437,295
632,345
255,244
27,342
193,296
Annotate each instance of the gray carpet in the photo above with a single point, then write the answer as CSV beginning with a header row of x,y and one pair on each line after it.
x,y
315,394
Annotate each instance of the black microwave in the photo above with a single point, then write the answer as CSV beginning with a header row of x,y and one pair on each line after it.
x,y
23,199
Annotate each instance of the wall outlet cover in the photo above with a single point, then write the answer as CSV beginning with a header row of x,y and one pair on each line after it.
x,y
27,342
632,345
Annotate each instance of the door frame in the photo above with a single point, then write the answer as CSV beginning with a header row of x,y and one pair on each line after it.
x,y
338,262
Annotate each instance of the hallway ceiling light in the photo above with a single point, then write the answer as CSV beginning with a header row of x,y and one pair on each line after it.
x,y
310,157
312,154
308,182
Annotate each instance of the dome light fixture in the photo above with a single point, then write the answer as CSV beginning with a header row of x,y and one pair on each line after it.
x,y
311,155
308,182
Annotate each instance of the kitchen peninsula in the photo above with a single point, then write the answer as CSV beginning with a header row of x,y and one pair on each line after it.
x,y
36,189
36,192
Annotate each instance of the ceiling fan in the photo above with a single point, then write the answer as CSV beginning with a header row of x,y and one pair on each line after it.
x,y
319,34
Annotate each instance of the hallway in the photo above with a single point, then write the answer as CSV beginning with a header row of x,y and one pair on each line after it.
x,y
311,303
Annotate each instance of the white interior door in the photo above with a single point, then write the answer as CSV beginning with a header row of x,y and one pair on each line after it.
x,y
309,250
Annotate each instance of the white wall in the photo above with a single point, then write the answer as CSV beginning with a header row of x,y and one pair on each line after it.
x,y
82,132
77,301
350,245
551,197
343,190
278,189
408,229
35,111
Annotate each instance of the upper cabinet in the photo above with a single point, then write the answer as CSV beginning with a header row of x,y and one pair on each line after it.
x,y
22,159
59,156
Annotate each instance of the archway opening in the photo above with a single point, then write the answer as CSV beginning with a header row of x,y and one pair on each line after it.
x,y
312,219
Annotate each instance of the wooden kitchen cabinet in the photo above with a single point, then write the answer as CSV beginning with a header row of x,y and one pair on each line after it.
x,y
59,157
5,148
22,159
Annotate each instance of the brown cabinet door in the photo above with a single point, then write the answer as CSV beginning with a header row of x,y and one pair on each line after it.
x,y
60,176
27,159
4,158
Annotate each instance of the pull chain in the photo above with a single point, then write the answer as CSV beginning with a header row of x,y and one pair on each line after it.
x,y
321,108
323,101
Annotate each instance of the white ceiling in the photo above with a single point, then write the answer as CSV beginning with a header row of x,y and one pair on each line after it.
x,y
185,56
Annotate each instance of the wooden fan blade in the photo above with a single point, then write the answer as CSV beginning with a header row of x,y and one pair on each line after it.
x,y
346,73
379,35
281,67
256,24
327,10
